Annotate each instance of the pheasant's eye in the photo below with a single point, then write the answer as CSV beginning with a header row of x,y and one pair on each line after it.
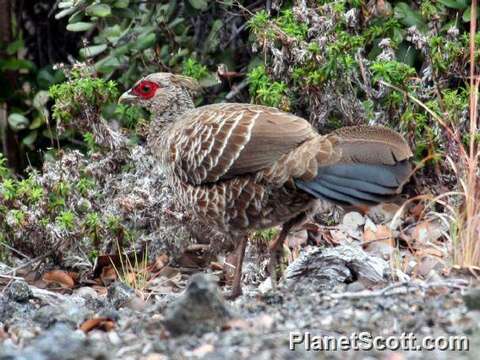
x,y
145,89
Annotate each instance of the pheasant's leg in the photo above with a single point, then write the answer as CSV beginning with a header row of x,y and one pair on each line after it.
x,y
274,246
277,244
237,278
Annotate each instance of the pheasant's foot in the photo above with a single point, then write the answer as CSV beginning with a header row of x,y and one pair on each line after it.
x,y
272,268
237,278
235,292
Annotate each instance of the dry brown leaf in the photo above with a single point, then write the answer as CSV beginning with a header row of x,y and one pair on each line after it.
x,y
394,356
378,241
189,260
100,323
3,334
383,213
428,263
59,277
381,234
101,290
262,322
430,251
201,351
237,324
297,239
160,262
417,210
216,266
155,356
108,275
426,232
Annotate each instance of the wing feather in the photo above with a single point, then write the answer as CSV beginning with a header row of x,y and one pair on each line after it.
x,y
220,141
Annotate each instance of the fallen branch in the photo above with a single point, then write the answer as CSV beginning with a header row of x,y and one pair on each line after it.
x,y
398,289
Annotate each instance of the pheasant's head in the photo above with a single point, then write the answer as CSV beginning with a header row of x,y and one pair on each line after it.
x,y
162,93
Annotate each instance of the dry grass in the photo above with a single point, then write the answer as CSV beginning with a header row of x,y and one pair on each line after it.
x,y
462,218
134,273
467,244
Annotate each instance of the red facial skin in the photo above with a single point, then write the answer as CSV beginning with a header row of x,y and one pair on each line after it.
x,y
145,89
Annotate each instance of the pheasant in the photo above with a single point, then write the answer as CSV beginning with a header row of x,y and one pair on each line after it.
x,y
243,167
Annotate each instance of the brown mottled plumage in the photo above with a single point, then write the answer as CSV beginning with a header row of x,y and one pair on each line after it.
x,y
242,167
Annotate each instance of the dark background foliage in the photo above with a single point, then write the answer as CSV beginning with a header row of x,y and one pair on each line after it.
x,y
324,60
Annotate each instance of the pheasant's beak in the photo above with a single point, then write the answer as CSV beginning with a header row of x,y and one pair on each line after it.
x,y
127,98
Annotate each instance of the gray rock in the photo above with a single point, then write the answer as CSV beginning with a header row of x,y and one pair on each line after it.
x,y
11,310
62,343
199,310
472,299
69,313
18,291
7,308
119,294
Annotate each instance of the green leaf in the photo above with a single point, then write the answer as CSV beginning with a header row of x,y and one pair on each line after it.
x,y
29,140
199,4
91,51
40,99
407,54
80,26
65,12
17,64
121,4
65,4
409,17
76,17
213,38
18,121
145,41
209,81
467,15
110,63
172,6
45,78
176,22
37,122
13,47
100,10
455,4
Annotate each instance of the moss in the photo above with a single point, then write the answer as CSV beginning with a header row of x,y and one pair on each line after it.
x,y
265,236
90,142
265,91
61,188
84,185
393,72
8,189
72,96
66,220
192,68
30,190
259,24
18,217
4,170
444,52
290,26
130,117
92,221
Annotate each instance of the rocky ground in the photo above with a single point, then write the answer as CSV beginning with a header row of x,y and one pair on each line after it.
x,y
325,291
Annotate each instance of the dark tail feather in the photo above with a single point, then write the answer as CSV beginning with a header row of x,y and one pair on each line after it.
x,y
357,184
